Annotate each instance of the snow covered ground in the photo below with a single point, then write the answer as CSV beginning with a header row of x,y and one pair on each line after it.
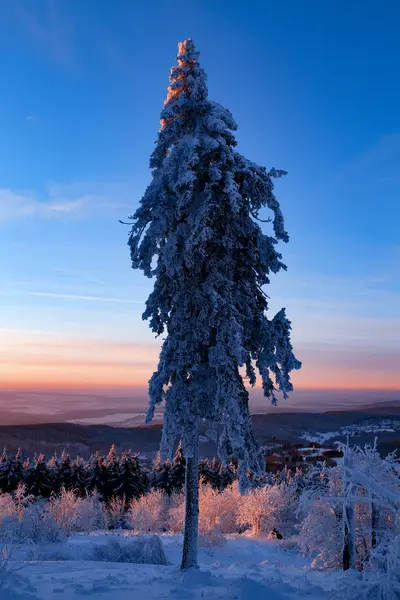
x,y
244,568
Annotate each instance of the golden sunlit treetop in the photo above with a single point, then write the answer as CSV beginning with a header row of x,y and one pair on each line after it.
x,y
186,55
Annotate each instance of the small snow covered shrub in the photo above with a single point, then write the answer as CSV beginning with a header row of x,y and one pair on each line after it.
x,y
33,525
74,513
115,513
321,536
138,550
22,499
230,501
21,518
149,513
210,510
38,526
7,508
379,581
269,510
12,513
252,509
91,514
64,510
218,510
9,529
176,512
150,550
284,498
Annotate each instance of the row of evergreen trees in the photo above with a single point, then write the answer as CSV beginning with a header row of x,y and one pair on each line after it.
x,y
115,475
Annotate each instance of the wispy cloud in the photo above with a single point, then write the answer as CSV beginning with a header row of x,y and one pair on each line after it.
x,y
88,298
14,206
83,199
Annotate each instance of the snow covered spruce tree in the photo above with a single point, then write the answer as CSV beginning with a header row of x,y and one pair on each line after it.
x,y
196,232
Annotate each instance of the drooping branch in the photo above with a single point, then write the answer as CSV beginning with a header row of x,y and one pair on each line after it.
x,y
254,214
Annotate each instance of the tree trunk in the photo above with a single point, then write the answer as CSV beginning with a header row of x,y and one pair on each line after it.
x,y
374,524
348,546
348,513
191,531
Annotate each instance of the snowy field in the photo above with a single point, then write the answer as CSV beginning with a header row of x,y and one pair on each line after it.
x,y
243,568
328,533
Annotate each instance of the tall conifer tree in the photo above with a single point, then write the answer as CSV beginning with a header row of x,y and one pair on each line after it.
x,y
196,232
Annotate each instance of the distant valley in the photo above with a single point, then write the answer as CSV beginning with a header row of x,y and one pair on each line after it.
x,y
360,426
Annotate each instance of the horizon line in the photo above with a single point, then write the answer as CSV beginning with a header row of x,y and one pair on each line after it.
x,y
144,387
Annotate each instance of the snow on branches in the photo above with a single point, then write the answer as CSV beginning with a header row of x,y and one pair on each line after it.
x,y
352,510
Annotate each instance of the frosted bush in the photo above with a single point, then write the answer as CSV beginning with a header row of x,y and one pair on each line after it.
x,y
64,510
252,510
21,500
12,512
38,526
379,581
218,510
91,514
176,512
34,525
229,505
284,498
321,536
149,513
7,507
210,510
269,509
9,529
74,513
138,550
21,519
115,513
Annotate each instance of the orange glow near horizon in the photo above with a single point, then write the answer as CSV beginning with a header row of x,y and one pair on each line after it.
x,y
47,374
37,360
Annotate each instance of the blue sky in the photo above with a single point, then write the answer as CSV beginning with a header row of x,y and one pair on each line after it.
x,y
314,89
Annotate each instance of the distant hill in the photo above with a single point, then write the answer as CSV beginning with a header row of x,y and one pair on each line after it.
x,y
363,424
381,407
78,439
